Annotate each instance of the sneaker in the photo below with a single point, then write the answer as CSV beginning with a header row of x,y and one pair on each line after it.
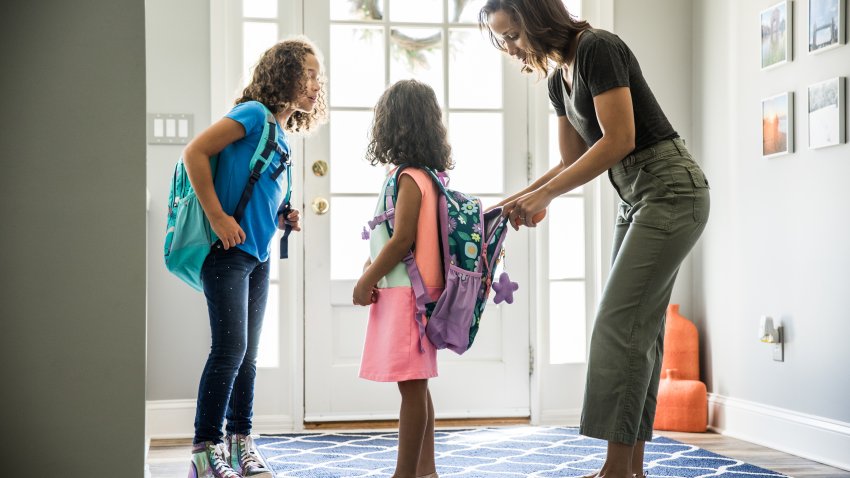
x,y
208,461
245,458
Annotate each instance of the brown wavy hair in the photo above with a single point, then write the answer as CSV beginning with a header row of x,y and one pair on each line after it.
x,y
549,29
408,128
280,77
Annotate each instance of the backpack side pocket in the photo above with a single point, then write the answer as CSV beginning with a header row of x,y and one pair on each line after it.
x,y
449,323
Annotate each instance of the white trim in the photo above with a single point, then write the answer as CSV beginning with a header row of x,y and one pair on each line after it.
x,y
562,417
600,13
446,415
169,419
173,419
225,55
815,438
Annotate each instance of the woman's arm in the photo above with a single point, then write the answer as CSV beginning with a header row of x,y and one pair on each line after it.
x,y
616,120
571,146
404,234
196,158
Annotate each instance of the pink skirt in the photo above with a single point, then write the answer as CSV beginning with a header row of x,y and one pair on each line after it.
x,y
391,349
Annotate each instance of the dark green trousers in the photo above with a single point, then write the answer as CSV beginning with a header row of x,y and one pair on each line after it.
x,y
663,210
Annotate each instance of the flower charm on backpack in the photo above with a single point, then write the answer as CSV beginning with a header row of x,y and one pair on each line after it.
x,y
504,289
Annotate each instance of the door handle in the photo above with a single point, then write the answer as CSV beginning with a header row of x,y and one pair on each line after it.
x,y
320,206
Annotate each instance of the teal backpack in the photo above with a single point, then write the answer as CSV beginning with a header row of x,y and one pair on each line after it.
x,y
188,234
471,246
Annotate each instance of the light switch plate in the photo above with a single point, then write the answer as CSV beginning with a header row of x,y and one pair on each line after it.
x,y
164,128
778,350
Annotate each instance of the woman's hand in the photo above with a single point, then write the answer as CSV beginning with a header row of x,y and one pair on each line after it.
x,y
494,206
364,294
521,211
293,219
227,230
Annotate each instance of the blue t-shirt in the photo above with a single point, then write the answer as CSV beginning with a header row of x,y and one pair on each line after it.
x,y
260,219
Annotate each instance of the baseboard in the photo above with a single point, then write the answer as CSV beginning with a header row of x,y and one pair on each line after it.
x,y
174,419
562,417
814,438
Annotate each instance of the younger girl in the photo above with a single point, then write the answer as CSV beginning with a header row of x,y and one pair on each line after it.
x,y
407,130
287,81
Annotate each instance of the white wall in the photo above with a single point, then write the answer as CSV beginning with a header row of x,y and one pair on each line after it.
x,y
178,81
72,252
664,53
776,243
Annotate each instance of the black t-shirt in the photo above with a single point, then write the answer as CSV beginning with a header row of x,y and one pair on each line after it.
x,y
604,61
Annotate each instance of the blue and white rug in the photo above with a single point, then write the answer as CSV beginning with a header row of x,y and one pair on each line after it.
x,y
487,453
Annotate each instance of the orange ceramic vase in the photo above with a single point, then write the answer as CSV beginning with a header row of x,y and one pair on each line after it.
x,y
682,401
682,404
681,345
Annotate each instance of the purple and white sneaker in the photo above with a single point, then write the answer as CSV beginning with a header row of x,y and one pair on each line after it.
x,y
209,461
245,458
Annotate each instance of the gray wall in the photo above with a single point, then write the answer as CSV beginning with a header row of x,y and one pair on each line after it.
x,y
73,242
664,53
178,81
777,241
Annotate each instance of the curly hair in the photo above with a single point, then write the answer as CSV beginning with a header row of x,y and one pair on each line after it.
x,y
408,128
548,28
280,77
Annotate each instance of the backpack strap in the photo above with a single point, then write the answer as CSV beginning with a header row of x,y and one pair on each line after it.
x,y
260,161
419,292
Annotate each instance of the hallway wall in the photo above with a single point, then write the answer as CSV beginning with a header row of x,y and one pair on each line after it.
x,y
776,243
73,244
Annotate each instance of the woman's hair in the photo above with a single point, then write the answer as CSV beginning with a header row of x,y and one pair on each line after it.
x,y
547,26
408,128
280,77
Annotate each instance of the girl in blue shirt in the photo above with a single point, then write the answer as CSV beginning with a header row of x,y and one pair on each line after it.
x,y
287,81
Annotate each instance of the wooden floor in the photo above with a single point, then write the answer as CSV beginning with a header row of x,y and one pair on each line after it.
x,y
169,459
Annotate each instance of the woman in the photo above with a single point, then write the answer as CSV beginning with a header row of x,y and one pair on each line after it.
x,y
609,120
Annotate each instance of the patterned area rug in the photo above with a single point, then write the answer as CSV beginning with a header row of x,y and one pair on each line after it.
x,y
487,453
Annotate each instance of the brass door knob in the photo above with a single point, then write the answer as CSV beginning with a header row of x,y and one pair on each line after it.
x,y
320,168
321,205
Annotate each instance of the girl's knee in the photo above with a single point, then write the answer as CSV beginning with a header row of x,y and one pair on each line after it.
x,y
413,387
232,355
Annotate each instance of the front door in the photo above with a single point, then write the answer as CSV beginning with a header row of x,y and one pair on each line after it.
x,y
368,46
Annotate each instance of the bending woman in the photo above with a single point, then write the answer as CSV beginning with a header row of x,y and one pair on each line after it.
x,y
609,121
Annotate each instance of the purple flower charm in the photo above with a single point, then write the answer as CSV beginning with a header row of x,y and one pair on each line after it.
x,y
365,234
504,289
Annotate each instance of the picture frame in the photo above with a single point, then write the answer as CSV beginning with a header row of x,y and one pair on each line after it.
x,y
826,25
777,35
826,113
777,125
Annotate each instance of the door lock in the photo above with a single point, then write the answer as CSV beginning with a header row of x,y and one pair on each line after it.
x,y
320,168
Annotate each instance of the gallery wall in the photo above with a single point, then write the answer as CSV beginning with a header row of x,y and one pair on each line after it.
x,y
776,243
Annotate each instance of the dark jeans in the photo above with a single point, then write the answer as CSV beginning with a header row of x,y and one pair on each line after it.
x,y
236,285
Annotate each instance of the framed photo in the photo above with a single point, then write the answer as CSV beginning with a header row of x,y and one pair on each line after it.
x,y
776,33
777,125
826,113
826,25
